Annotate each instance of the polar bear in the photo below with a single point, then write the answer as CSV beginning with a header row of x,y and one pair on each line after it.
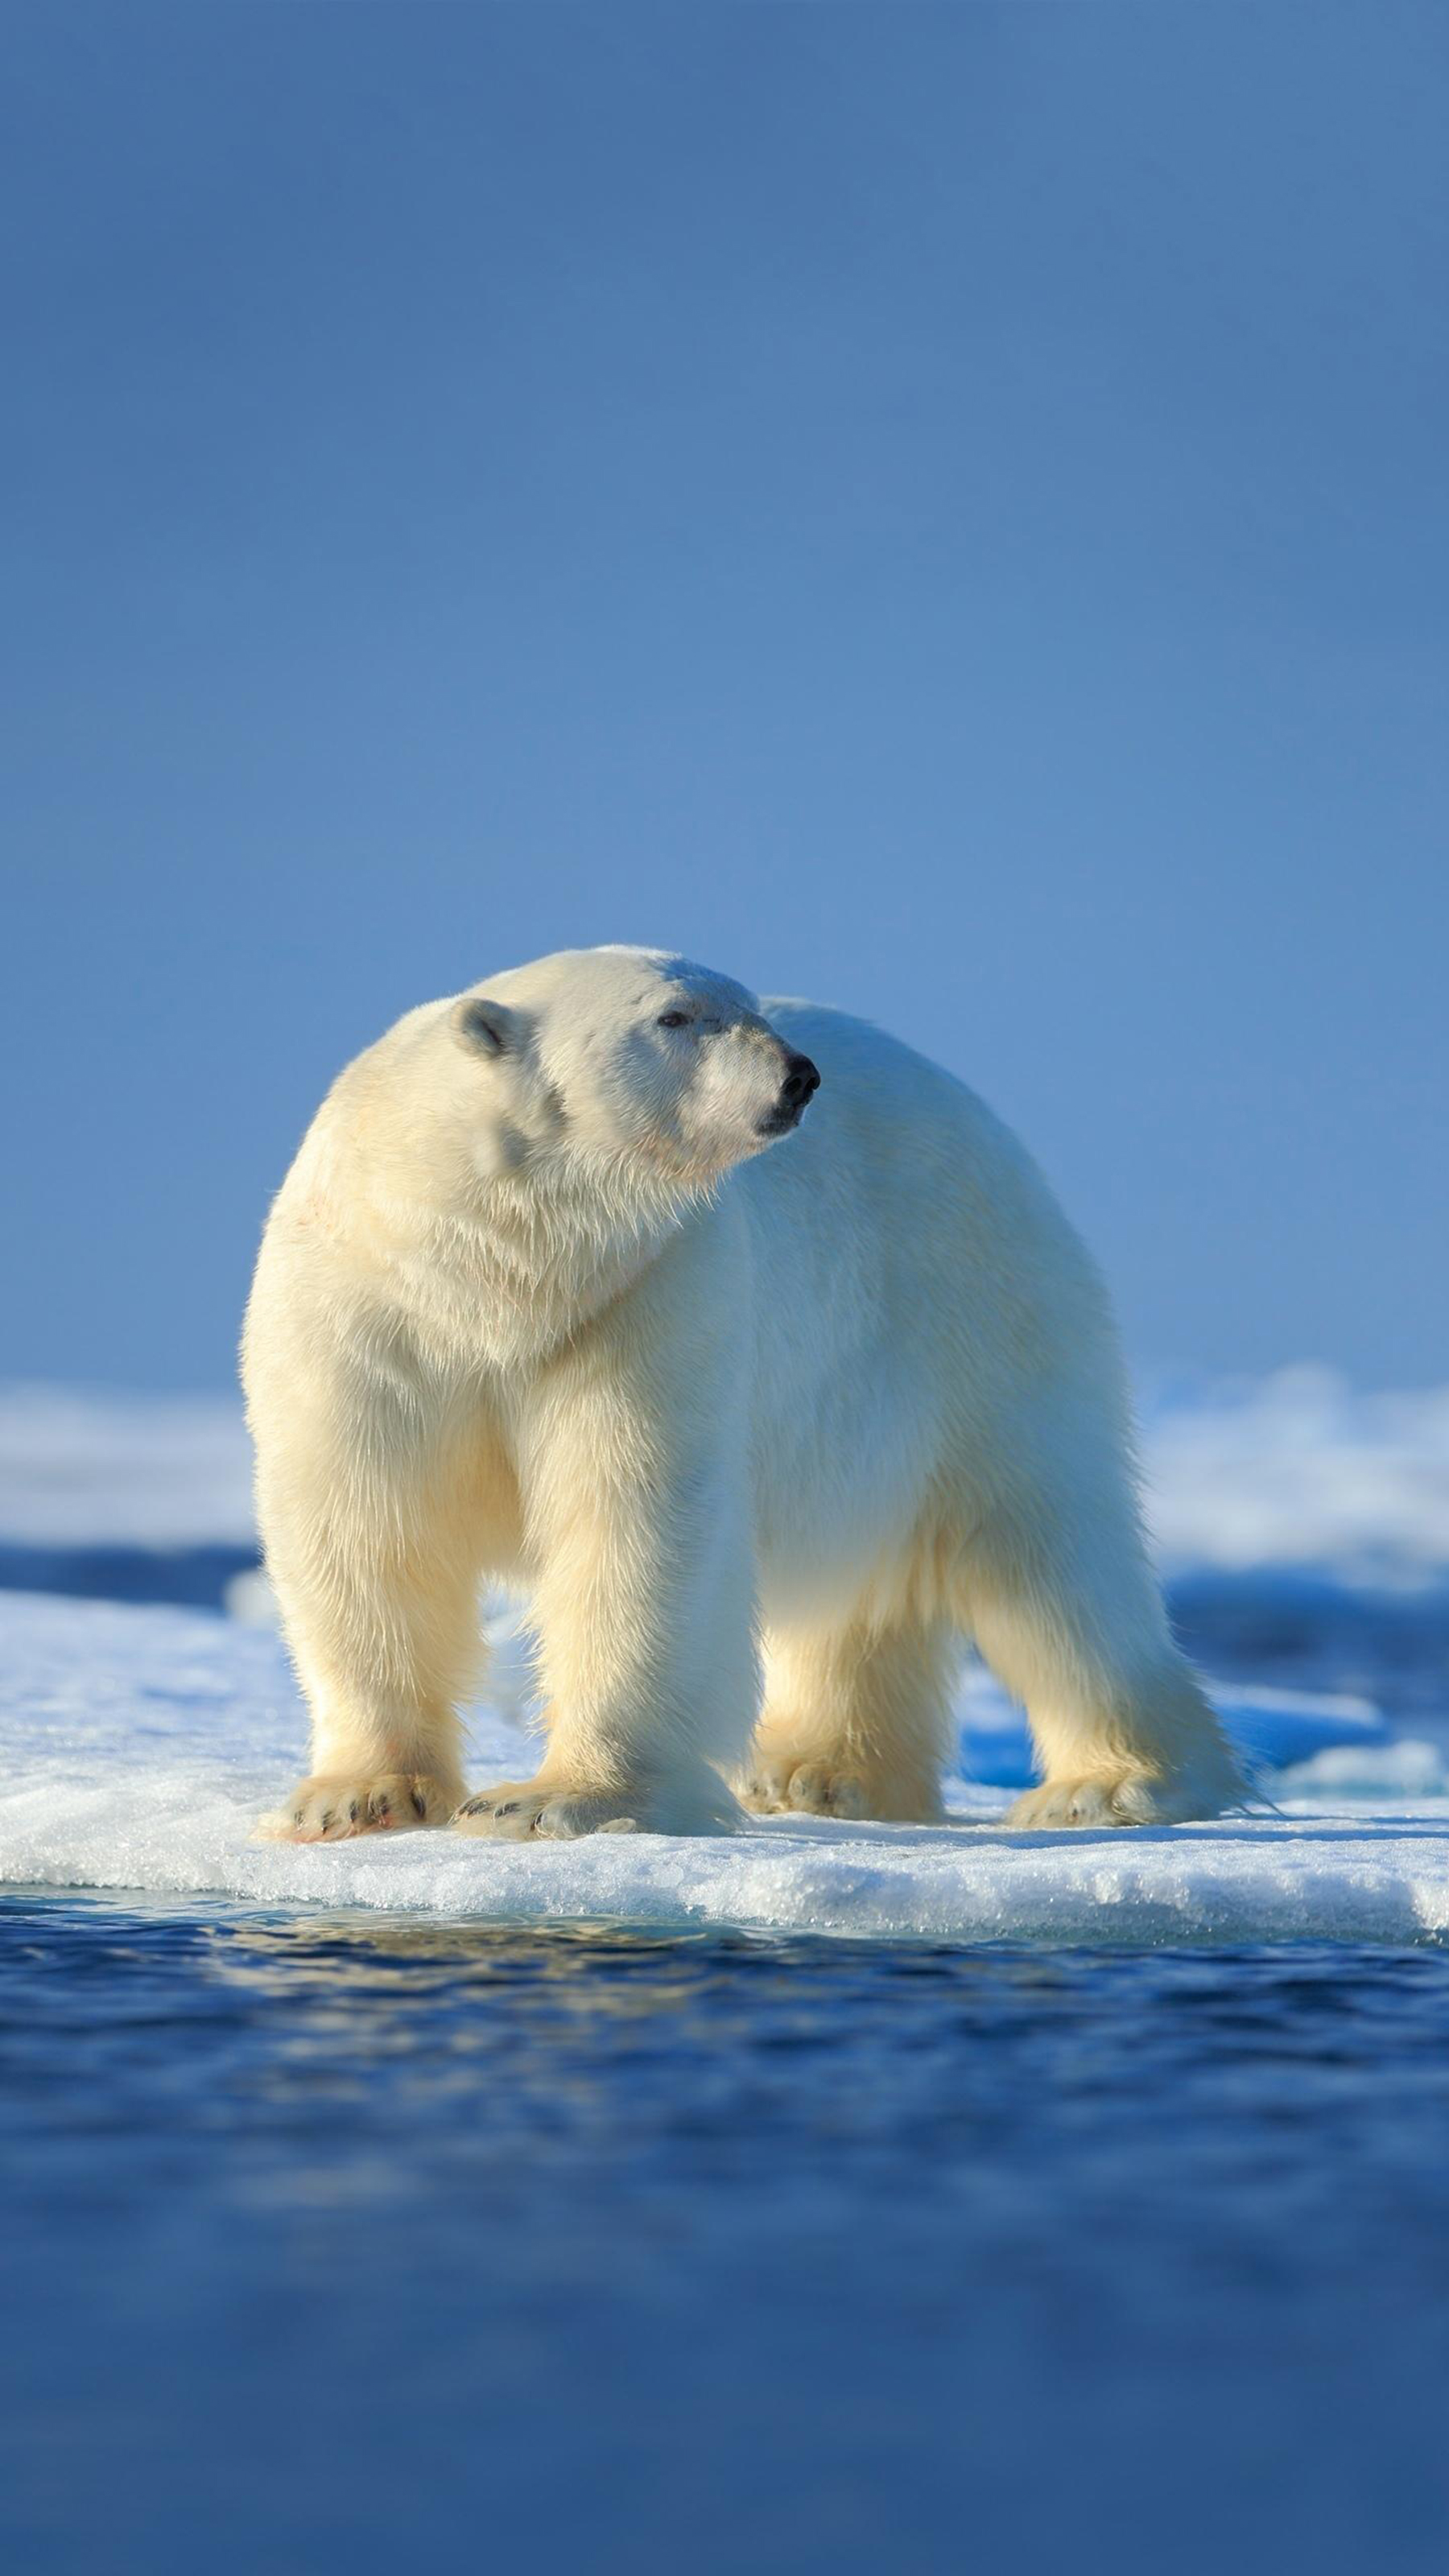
x,y
770,1401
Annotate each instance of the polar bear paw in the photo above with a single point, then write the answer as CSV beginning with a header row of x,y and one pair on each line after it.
x,y
333,1809
1096,1799
512,1810
782,1785
792,1783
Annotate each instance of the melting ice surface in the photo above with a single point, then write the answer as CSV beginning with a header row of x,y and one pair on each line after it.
x,y
141,1744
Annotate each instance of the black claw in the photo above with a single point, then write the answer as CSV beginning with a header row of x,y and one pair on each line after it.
x,y
326,1819
509,1808
352,1813
420,1805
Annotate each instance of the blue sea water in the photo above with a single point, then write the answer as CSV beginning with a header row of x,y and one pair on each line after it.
x,y
346,2242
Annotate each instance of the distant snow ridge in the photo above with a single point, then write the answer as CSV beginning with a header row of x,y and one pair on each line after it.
x,y
81,1468
1299,1472
1295,1472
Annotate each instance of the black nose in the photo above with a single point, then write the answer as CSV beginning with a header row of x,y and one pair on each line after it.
x,y
801,1079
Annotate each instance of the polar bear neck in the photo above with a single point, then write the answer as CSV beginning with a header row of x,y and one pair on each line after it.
x,y
503,1270
541,1256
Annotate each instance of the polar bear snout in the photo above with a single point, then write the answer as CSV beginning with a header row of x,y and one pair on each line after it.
x,y
802,1078
802,1081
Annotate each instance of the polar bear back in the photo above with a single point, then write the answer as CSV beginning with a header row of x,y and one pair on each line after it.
x,y
919,1299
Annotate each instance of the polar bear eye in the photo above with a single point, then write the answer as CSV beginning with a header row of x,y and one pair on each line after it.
x,y
673,1020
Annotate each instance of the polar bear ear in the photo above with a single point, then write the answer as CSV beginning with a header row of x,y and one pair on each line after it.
x,y
487,1027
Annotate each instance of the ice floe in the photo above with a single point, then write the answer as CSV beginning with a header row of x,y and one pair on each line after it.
x,y
140,1744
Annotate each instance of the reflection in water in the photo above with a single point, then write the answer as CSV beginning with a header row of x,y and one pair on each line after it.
x,y
653,2047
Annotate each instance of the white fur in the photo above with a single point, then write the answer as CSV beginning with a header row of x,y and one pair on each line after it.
x,y
766,1430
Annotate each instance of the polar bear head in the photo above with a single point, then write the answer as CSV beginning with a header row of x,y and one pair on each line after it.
x,y
629,1057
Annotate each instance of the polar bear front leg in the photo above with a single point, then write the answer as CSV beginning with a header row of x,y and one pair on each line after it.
x,y
373,1554
635,1483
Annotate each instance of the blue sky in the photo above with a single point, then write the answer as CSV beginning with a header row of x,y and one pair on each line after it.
x,y
937,508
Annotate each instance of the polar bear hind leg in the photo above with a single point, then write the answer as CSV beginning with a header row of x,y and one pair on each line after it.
x,y
1123,1730
857,1720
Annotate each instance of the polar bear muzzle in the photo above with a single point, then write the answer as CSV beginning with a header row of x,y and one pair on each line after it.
x,y
802,1081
